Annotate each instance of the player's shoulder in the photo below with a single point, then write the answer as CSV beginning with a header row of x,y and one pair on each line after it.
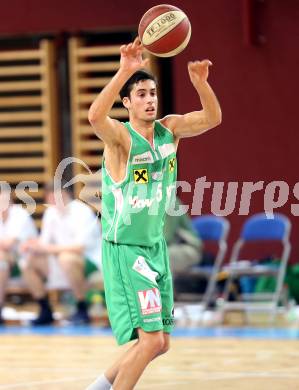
x,y
121,146
112,132
120,134
123,138
169,122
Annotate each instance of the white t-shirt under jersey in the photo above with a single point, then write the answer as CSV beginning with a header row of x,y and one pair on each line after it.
x,y
77,225
19,224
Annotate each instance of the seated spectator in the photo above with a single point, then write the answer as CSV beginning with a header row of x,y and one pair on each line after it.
x,y
16,227
184,246
70,232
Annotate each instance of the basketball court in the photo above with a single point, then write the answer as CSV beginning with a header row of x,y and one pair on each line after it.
x,y
54,61
201,358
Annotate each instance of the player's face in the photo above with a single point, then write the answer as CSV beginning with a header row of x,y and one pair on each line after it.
x,y
143,102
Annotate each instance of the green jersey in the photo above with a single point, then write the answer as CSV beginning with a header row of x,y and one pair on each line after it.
x,y
133,210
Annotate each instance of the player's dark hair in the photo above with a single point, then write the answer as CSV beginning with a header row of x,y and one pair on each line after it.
x,y
140,75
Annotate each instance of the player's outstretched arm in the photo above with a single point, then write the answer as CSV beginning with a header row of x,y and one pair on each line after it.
x,y
197,122
109,130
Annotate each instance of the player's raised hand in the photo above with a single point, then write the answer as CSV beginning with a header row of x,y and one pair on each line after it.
x,y
199,71
131,56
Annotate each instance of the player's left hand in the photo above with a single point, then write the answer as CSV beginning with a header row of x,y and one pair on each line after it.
x,y
199,71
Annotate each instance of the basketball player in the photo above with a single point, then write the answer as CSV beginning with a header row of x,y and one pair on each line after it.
x,y
70,236
139,173
16,227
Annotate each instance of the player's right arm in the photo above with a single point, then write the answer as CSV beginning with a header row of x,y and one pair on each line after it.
x,y
108,129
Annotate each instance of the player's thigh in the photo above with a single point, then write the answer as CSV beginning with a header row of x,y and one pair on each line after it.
x,y
69,259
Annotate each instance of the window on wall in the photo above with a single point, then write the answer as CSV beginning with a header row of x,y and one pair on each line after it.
x,y
47,84
28,119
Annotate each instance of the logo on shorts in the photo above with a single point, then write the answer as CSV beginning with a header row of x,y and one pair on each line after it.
x,y
168,321
155,319
144,269
150,301
140,176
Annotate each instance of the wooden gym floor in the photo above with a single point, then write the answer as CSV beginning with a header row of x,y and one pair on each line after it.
x,y
65,362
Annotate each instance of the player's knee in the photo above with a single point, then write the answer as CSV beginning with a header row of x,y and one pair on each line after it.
x,y
166,346
157,345
67,258
29,264
154,345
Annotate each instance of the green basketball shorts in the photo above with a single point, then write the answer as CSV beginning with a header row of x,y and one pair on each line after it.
x,y
138,289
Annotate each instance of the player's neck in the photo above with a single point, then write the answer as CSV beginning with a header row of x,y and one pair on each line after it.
x,y
144,128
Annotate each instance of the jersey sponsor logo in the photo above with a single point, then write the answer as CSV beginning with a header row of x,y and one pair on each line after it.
x,y
144,269
143,158
137,203
150,301
157,190
166,149
140,203
171,164
140,176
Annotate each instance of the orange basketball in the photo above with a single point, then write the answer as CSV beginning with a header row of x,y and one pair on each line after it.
x,y
164,30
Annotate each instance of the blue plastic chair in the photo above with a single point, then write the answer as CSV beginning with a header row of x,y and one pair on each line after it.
x,y
211,228
259,228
